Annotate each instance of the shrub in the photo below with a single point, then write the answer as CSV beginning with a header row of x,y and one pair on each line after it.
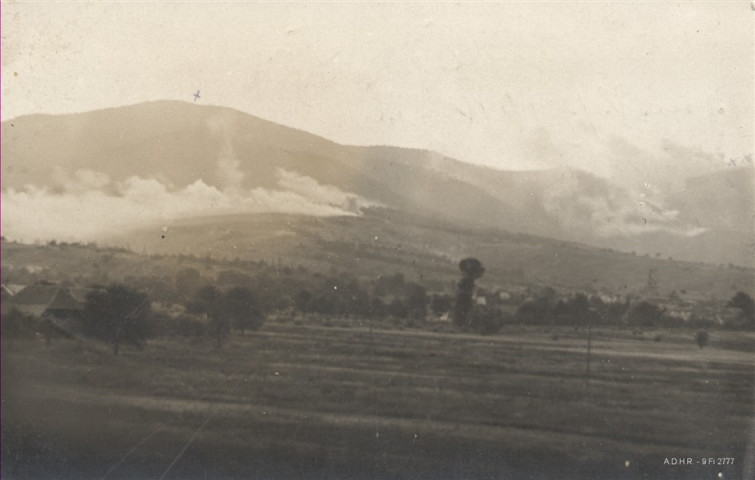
x,y
702,338
645,314
486,320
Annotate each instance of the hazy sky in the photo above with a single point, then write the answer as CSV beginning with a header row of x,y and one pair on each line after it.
x,y
512,85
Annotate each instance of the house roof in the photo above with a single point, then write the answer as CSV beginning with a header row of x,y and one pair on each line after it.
x,y
52,297
35,295
6,293
14,288
63,300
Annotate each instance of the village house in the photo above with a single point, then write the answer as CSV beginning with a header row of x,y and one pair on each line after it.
x,y
45,300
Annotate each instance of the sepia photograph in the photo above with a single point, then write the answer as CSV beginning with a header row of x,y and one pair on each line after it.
x,y
341,240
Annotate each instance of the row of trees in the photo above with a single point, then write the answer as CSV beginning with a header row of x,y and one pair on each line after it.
x,y
299,291
546,308
237,307
123,314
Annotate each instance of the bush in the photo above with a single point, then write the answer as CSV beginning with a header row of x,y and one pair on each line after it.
x,y
645,314
486,320
702,338
534,312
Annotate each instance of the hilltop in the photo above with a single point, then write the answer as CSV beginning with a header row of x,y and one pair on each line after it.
x,y
151,164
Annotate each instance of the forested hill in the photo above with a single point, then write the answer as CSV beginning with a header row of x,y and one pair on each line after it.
x,y
380,243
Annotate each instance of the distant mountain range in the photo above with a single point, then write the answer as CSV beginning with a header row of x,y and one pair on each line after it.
x,y
152,163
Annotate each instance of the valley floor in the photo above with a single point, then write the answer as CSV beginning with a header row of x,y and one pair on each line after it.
x,y
296,401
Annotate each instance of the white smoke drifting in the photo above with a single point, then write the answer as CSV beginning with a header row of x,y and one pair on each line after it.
x,y
611,211
88,205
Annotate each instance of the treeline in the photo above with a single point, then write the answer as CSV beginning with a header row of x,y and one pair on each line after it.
x,y
193,305
546,308
213,302
298,291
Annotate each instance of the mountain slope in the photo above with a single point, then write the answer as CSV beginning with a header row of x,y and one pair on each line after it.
x,y
152,153
383,242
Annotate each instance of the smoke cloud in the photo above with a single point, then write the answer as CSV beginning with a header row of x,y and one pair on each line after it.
x,y
586,205
88,205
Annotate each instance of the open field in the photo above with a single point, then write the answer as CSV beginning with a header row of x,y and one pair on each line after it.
x,y
297,401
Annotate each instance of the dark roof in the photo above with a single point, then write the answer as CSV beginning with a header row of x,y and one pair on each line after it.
x,y
36,295
63,300
6,293
52,297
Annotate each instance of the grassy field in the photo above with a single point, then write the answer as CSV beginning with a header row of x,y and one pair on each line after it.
x,y
297,401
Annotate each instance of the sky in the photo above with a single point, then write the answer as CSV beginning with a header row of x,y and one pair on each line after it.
x,y
626,90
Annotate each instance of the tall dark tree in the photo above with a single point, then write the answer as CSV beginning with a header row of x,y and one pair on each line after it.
x,y
242,309
471,269
117,314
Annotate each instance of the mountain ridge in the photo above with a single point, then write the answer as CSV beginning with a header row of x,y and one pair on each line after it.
x,y
177,144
